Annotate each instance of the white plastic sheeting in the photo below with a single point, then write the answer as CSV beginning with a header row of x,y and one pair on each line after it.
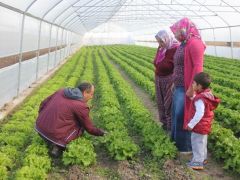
x,y
9,75
108,33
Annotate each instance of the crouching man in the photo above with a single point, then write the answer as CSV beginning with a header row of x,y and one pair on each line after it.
x,y
64,116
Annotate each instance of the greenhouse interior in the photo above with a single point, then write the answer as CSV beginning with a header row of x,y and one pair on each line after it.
x,y
119,89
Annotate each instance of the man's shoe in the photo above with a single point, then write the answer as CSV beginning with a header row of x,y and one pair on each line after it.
x,y
205,162
56,151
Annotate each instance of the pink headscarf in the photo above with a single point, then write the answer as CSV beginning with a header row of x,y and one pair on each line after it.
x,y
169,41
187,28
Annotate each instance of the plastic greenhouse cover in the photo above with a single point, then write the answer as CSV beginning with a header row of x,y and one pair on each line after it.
x,y
131,14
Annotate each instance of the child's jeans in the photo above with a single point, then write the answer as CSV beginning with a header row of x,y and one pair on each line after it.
x,y
199,147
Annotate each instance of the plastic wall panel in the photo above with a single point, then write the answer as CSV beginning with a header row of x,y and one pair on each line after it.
x,y
222,34
236,34
54,36
28,73
236,53
8,79
30,36
51,60
45,35
223,51
42,65
57,57
210,50
10,32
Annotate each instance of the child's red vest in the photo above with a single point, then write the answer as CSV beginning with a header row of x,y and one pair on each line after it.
x,y
211,102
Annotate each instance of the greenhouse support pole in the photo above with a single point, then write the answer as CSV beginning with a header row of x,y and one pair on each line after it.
x,y
61,46
65,42
49,47
21,47
20,55
214,38
230,34
70,42
56,48
39,40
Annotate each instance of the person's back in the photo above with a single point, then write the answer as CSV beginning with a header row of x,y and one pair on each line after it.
x,y
58,118
64,115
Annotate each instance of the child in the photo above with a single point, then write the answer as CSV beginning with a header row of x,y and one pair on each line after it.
x,y
203,104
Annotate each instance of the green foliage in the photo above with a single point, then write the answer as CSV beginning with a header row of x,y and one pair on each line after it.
x,y
5,161
225,147
79,151
10,151
40,162
153,136
37,149
3,173
30,173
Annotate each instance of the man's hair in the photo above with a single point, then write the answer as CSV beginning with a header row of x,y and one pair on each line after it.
x,y
203,79
85,86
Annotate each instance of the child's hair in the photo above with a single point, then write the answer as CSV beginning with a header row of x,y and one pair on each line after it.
x,y
203,79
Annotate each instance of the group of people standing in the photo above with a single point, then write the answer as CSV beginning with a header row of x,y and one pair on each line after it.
x,y
184,100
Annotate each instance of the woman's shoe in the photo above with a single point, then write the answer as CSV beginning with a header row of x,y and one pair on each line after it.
x,y
185,153
195,165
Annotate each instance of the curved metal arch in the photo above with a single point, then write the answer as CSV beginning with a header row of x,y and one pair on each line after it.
x,y
61,12
159,2
87,8
230,31
231,6
76,13
95,11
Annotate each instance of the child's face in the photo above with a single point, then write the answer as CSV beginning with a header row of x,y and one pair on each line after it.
x,y
196,87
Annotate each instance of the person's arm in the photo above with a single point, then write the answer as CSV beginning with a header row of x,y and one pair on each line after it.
x,y
200,108
86,122
197,54
45,102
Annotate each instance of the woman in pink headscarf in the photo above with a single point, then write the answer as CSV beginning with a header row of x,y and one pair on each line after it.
x,y
163,63
188,61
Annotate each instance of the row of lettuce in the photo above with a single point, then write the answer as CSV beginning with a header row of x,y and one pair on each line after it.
x,y
228,112
24,155
225,146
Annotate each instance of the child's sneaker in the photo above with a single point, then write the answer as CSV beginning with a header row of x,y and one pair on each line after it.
x,y
195,165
